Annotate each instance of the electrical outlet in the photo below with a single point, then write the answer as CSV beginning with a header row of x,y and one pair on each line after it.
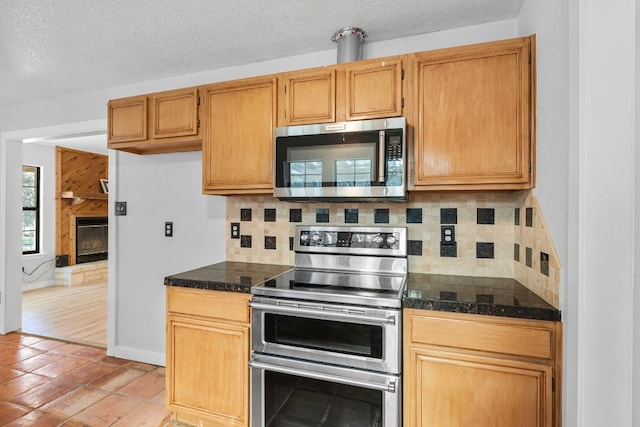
x,y
235,230
448,234
168,229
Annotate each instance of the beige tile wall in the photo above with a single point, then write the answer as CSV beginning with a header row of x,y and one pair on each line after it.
x,y
504,233
537,238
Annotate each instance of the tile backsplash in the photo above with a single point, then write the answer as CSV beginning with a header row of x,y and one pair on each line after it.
x,y
538,265
469,234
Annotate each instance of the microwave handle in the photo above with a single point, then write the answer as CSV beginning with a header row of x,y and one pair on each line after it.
x,y
381,155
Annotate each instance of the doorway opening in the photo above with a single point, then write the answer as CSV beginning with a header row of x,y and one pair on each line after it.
x,y
67,297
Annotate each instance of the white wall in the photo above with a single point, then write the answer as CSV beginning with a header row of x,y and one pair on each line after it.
x,y
636,295
549,19
10,235
42,265
588,188
167,188
158,189
607,139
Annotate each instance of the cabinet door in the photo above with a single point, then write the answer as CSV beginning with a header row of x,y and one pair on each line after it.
x,y
447,389
127,120
474,117
309,97
207,371
174,113
374,89
237,150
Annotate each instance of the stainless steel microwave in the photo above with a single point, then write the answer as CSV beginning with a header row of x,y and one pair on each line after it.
x,y
358,160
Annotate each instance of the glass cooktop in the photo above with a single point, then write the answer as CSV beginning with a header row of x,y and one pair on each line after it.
x,y
379,290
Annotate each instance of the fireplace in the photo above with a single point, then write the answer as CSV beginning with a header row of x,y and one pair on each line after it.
x,y
91,239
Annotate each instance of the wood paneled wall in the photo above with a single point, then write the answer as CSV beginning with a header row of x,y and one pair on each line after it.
x,y
78,172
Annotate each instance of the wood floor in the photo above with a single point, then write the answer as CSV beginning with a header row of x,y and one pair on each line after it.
x,y
70,313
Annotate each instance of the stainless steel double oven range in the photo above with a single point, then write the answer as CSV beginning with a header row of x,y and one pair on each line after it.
x,y
326,335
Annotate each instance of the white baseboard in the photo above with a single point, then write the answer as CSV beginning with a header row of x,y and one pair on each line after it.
x,y
138,355
26,286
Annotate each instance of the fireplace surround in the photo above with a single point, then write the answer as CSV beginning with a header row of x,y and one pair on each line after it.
x,y
92,241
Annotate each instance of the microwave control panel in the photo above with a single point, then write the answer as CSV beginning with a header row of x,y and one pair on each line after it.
x,y
394,148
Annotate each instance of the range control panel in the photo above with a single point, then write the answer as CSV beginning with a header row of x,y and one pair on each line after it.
x,y
382,240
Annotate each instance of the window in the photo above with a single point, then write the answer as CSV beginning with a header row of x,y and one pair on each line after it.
x,y
30,209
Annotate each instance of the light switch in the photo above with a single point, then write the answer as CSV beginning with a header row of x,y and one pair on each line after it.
x,y
121,208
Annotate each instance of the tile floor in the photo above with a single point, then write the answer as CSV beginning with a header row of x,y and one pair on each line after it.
x,y
45,382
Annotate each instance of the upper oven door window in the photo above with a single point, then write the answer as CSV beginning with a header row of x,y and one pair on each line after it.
x,y
326,335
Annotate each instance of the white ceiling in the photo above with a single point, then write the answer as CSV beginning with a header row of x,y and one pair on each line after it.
x,y
52,48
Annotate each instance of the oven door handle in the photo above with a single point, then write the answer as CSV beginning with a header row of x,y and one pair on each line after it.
x,y
389,387
334,314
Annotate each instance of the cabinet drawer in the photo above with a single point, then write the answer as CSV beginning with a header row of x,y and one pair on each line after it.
x,y
511,337
213,304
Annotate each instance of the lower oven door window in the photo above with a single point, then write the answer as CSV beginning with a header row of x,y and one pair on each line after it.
x,y
295,393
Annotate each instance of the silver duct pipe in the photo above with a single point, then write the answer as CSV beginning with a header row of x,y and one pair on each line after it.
x,y
349,41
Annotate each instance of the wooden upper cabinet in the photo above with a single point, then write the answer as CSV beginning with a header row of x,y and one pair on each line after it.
x,y
308,97
175,113
351,91
160,122
373,89
239,118
127,120
475,117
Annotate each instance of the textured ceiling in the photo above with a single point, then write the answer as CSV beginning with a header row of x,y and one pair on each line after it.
x,y
50,48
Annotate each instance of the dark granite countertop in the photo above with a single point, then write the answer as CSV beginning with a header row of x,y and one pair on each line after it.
x,y
476,295
226,276
459,294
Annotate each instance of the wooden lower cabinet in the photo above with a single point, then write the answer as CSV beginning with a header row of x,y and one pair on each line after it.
x,y
472,370
207,357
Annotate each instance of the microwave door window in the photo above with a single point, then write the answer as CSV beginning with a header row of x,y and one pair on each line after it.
x,y
303,173
354,172
345,165
339,160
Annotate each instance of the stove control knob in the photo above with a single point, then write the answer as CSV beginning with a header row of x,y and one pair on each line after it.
x,y
304,237
377,239
316,237
391,240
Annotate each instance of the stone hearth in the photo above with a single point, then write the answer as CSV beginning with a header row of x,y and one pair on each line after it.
x,y
87,273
